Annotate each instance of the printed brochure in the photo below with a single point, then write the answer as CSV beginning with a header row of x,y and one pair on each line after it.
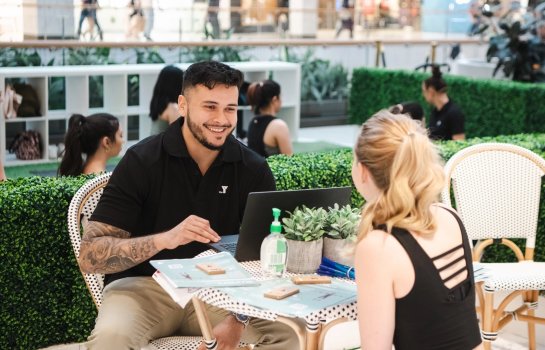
x,y
183,273
311,297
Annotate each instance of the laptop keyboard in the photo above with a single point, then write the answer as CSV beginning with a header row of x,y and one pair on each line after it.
x,y
230,247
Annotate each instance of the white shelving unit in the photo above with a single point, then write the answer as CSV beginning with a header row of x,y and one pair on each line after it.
x,y
133,118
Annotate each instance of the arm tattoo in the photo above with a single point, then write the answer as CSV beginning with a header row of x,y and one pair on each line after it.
x,y
108,249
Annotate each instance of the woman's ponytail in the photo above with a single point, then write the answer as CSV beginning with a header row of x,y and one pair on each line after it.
x,y
260,94
72,160
407,169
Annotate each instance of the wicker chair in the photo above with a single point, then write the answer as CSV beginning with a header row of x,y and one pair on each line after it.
x,y
83,204
497,193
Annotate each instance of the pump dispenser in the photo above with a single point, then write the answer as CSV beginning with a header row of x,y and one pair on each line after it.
x,y
274,249
276,226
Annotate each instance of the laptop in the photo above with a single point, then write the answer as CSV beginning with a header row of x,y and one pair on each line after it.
x,y
257,217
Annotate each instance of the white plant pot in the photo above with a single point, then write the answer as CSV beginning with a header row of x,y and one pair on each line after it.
x,y
304,257
339,250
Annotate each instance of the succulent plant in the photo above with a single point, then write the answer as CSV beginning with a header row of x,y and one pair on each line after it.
x,y
305,224
342,222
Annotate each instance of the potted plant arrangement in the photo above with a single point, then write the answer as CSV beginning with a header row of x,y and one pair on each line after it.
x,y
304,230
324,85
340,233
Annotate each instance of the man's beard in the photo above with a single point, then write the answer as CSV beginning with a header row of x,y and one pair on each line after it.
x,y
199,135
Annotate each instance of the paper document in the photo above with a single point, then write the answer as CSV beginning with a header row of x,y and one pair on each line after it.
x,y
480,272
180,295
311,297
183,273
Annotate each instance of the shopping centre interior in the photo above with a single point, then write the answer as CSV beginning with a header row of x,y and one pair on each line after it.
x,y
337,61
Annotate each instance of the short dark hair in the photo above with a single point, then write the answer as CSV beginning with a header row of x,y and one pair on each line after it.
x,y
210,73
412,108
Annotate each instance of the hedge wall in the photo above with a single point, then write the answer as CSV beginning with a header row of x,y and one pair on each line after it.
x,y
43,298
492,107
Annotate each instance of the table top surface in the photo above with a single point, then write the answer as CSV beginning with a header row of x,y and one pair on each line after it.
x,y
219,298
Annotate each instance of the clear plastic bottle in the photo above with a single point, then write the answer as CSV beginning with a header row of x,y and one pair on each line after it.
x,y
274,249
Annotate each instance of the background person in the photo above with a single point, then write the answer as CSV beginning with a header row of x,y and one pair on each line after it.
x,y
191,188
98,136
137,21
413,264
2,172
212,18
89,11
164,101
446,119
267,134
149,15
413,109
346,16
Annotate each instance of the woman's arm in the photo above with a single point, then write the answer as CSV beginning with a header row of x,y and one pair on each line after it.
x,y
376,301
282,136
2,173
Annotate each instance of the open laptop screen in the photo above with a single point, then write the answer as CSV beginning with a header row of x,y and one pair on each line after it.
x,y
258,214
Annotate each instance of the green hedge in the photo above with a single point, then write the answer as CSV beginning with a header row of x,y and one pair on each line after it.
x,y
492,107
43,298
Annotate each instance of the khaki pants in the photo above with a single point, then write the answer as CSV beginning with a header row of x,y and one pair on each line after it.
x,y
136,310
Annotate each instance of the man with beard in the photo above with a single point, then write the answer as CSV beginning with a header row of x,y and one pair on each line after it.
x,y
170,195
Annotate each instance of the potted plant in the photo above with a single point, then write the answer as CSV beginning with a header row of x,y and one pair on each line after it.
x,y
341,231
521,56
304,230
324,86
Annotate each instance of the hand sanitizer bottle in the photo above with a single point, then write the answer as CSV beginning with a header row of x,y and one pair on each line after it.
x,y
274,249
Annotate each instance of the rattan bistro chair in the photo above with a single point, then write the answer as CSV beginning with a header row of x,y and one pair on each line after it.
x,y
82,205
496,190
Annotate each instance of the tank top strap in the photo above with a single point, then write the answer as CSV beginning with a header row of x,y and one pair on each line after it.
x,y
418,256
465,240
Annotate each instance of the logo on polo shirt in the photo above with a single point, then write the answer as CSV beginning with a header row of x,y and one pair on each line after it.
x,y
223,189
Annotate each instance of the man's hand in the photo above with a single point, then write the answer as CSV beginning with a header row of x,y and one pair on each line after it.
x,y
227,333
193,228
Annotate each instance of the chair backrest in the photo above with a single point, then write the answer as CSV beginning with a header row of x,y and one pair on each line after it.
x,y
497,190
82,206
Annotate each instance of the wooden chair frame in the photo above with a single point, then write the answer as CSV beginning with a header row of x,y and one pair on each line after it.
x,y
82,206
512,165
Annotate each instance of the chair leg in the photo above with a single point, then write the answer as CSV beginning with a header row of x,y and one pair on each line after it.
x,y
204,323
488,313
313,335
532,297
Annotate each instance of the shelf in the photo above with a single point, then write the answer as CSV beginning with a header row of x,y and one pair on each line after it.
x,y
85,94
25,119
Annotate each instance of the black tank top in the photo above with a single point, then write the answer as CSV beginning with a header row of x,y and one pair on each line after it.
x,y
433,316
256,130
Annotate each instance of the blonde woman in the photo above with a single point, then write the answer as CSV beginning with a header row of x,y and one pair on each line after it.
x,y
413,261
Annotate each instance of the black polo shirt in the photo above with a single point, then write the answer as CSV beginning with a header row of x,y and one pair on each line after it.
x,y
446,122
157,185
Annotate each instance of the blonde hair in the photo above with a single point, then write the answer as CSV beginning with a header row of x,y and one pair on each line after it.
x,y
406,168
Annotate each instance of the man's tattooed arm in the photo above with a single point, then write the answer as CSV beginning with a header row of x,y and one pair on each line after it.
x,y
108,249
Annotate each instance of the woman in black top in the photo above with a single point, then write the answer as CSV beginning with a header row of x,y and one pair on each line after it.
x,y
163,108
267,134
413,261
98,136
446,119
